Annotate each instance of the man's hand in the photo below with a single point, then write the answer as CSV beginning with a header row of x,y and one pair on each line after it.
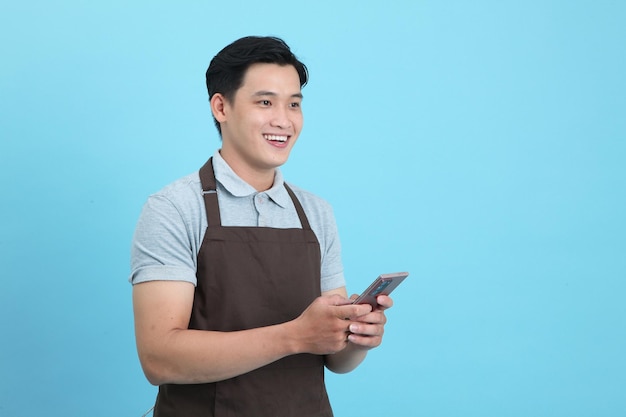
x,y
324,327
366,331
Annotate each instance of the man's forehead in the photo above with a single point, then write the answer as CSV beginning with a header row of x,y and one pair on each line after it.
x,y
268,93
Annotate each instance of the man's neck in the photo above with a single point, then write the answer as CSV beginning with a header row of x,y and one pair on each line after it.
x,y
259,179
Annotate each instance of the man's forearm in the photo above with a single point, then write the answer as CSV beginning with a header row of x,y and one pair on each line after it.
x,y
346,360
171,353
198,356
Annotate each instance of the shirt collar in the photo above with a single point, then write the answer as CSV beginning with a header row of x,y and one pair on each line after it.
x,y
239,188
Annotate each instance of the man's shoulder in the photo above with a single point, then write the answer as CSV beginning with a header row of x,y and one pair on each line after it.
x,y
182,189
182,197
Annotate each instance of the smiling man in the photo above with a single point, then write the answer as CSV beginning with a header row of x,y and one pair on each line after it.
x,y
261,122
238,288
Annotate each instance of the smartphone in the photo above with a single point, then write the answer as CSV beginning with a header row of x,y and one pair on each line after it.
x,y
383,285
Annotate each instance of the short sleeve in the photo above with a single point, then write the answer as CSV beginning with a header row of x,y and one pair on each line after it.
x,y
162,248
332,266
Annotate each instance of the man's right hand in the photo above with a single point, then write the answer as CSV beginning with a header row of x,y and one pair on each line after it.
x,y
322,328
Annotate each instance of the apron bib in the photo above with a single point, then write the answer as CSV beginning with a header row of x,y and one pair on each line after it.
x,y
252,277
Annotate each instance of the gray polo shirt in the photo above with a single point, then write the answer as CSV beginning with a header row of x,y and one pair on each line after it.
x,y
173,221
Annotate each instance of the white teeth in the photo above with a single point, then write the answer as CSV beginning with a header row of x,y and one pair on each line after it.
x,y
276,138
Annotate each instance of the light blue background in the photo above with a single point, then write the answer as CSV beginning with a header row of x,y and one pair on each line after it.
x,y
479,145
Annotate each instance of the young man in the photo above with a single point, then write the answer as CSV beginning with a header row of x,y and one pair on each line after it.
x,y
238,289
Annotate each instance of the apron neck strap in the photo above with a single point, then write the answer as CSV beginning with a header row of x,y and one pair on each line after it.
x,y
303,219
209,191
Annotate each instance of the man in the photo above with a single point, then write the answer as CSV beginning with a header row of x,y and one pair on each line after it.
x,y
238,289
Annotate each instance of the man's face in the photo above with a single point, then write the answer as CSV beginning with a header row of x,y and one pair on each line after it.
x,y
262,122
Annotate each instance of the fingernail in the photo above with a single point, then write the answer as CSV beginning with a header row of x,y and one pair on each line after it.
x,y
354,328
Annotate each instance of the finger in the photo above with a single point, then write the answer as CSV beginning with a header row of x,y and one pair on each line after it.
x,y
375,317
352,311
384,302
337,300
367,342
363,329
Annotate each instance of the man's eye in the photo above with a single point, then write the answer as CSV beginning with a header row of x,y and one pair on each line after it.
x,y
295,105
265,102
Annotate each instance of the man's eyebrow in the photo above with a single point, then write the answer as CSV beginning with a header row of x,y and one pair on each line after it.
x,y
264,93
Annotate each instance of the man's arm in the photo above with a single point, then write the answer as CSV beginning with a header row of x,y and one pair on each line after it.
x,y
171,353
366,332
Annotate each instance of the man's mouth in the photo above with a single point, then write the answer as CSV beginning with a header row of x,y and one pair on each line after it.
x,y
276,138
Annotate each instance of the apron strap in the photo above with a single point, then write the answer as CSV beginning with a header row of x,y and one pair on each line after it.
x,y
209,191
303,219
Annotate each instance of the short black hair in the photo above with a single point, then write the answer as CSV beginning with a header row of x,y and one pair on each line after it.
x,y
227,69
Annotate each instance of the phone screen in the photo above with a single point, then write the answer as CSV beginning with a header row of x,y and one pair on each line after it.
x,y
383,285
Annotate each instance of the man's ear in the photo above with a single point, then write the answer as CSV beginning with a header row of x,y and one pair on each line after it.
x,y
218,107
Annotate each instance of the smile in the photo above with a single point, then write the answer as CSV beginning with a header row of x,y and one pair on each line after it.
x,y
276,138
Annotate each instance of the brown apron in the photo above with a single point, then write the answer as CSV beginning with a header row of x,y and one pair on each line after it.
x,y
251,277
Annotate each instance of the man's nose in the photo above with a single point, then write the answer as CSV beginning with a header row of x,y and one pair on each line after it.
x,y
280,118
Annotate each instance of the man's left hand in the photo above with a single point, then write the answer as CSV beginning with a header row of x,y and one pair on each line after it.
x,y
367,331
